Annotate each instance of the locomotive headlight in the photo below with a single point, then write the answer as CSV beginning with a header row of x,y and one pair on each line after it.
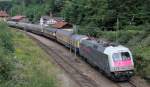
x,y
116,68
130,67
130,72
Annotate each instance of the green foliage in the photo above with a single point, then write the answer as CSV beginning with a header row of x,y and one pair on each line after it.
x,y
6,52
21,64
146,41
34,9
141,56
90,31
6,38
81,11
141,64
104,13
125,36
5,5
32,66
34,12
5,67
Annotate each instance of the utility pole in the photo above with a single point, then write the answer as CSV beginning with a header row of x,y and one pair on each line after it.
x,y
11,12
41,24
23,7
75,32
75,29
132,20
117,29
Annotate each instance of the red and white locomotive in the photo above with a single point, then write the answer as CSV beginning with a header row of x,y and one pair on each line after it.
x,y
114,60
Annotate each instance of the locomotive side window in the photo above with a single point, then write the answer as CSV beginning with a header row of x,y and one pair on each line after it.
x,y
125,56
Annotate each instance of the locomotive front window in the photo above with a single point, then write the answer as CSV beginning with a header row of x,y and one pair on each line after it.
x,y
125,56
116,57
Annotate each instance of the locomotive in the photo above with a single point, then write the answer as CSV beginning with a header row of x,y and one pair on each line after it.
x,y
115,61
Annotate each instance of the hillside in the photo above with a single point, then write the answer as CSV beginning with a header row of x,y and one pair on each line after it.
x,y
22,60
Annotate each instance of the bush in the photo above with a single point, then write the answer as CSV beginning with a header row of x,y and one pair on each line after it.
x,y
146,41
6,52
90,31
5,67
140,63
109,35
6,38
125,36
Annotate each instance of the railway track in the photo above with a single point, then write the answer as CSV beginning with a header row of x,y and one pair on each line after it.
x,y
126,84
67,65
131,83
78,76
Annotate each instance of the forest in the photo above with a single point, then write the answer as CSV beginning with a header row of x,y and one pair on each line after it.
x,y
102,14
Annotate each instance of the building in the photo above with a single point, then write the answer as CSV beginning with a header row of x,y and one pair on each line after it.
x,y
3,16
55,22
62,25
20,18
47,20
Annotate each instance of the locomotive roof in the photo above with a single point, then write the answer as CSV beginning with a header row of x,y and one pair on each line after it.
x,y
51,29
94,44
64,32
78,37
118,49
33,26
102,46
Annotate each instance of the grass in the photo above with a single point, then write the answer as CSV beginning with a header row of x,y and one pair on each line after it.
x,y
32,65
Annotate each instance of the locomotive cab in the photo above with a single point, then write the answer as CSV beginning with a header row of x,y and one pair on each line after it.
x,y
121,63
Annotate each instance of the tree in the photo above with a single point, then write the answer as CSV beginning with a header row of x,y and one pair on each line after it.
x,y
5,5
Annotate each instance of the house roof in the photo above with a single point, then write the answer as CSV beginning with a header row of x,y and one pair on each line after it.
x,y
18,17
60,24
3,14
55,18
